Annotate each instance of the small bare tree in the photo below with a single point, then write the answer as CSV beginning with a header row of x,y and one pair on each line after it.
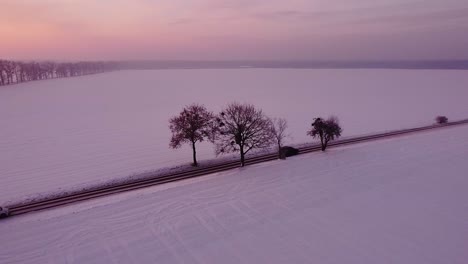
x,y
194,124
278,131
242,127
326,130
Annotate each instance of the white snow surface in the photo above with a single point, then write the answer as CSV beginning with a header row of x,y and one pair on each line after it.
x,y
68,134
400,200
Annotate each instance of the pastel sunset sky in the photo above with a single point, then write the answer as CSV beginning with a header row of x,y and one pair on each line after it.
x,y
234,29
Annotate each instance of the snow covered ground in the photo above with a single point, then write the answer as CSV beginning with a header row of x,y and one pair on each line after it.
x,y
401,200
69,133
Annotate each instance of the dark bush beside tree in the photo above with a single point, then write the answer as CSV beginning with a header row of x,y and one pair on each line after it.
x,y
326,130
194,124
287,151
441,120
242,128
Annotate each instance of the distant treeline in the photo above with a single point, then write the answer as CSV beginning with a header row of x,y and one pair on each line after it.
x,y
294,64
16,71
12,72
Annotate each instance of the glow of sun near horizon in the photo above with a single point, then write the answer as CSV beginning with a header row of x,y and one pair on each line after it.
x,y
234,29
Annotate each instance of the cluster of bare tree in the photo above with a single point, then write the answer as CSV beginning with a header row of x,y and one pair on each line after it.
x,y
12,72
240,128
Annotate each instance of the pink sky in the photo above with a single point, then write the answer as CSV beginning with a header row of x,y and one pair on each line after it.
x,y
234,29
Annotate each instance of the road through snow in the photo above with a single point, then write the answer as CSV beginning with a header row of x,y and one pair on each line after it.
x,y
401,200
68,134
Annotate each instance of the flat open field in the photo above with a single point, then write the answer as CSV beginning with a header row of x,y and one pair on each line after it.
x,y
71,133
401,200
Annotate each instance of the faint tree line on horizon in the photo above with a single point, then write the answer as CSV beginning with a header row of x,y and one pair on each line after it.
x,y
12,72
241,128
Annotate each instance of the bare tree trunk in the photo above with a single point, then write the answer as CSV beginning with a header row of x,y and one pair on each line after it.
x,y
280,155
195,163
16,76
242,155
322,143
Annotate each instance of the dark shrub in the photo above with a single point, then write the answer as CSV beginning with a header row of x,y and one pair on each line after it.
x,y
3,212
441,120
288,152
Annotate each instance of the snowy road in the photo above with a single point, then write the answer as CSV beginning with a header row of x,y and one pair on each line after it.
x,y
68,134
401,200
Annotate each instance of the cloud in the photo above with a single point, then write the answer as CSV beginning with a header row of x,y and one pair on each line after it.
x,y
290,14
182,21
234,26
417,18
235,4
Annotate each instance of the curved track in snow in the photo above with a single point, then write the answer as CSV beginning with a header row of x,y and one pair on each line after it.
x,y
86,195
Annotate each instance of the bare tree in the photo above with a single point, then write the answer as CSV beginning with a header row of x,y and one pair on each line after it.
x,y
326,130
278,131
10,70
2,78
194,124
242,128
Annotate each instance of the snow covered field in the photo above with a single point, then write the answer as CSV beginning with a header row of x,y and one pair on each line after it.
x,y
401,200
65,133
